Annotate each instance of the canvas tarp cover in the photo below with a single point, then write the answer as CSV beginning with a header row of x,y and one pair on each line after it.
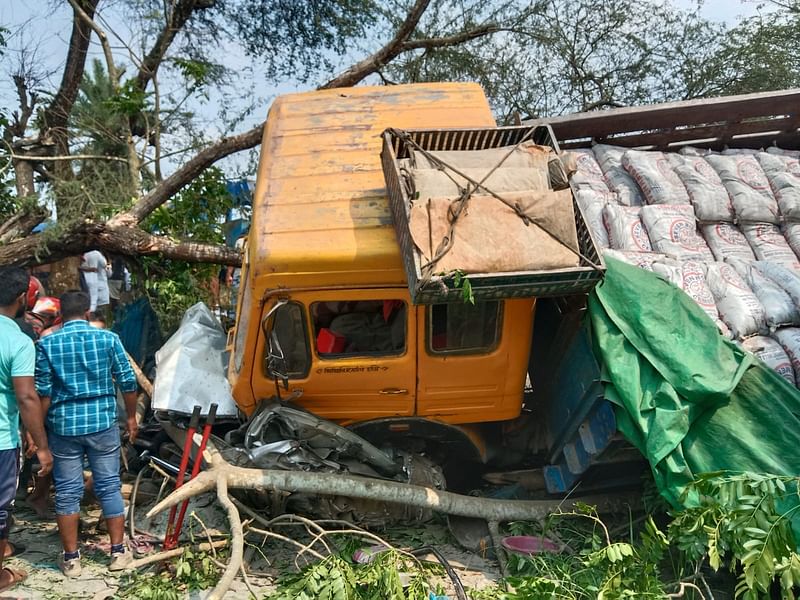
x,y
689,407
490,237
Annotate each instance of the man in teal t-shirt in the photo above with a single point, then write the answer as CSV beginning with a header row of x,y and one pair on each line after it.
x,y
18,398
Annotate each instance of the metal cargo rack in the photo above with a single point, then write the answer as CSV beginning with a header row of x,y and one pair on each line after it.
x,y
485,286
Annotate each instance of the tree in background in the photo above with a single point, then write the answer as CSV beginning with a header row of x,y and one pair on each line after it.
x,y
119,138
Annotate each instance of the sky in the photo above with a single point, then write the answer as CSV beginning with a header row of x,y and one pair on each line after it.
x,y
36,24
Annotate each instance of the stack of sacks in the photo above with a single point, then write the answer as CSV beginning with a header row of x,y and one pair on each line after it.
x,y
592,194
741,266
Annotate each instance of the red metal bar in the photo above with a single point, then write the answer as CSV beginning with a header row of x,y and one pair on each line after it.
x,y
187,447
198,460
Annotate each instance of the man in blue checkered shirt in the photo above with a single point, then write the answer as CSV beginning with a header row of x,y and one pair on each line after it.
x,y
77,368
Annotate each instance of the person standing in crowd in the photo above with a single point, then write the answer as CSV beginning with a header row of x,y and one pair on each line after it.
x,y
76,370
18,398
95,276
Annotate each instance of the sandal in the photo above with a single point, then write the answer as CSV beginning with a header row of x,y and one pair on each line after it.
x,y
16,550
17,576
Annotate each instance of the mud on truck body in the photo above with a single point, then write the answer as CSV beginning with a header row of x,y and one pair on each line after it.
x,y
328,338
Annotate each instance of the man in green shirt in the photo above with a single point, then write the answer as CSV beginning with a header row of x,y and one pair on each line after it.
x,y
18,398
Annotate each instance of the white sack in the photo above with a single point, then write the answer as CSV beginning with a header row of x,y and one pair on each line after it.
x,y
625,229
783,276
673,231
592,203
783,174
789,338
620,182
654,173
773,355
768,243
588,175
791,231
740,151
191,368
726,241
738,306
747,186
695,151
778,304
643,260
708,195
689,277
782,152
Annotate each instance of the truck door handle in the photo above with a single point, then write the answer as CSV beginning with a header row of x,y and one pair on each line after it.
x,y
393,391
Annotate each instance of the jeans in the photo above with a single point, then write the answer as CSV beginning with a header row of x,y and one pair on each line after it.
x,y
102,449
9,469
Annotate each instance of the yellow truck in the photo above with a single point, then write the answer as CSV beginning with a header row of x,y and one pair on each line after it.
x,y
322,248
449,381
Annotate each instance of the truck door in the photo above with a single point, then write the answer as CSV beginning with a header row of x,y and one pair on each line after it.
x,y
473,359
360,352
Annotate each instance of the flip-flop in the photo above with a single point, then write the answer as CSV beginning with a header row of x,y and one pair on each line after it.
x,y
17,576
16,550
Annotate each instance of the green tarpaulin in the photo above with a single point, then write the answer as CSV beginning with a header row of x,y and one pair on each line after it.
x,y
687,398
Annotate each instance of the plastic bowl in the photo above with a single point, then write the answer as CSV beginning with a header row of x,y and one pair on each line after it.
x,y
526,545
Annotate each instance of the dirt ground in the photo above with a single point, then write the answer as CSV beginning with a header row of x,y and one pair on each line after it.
x,y
40,538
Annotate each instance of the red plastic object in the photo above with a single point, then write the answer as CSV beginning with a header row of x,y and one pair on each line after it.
x,y
526,545
329,342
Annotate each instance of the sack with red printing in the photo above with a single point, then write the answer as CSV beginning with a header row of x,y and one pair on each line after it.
x,y
654,173
772,354
738,306
625,229
672,230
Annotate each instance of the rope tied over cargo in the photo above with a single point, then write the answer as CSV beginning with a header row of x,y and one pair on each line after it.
x,y
456,209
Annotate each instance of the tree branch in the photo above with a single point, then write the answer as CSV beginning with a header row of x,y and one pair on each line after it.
x,y
452,40
181,177
391,50
57,113
113,74
116,239
176,20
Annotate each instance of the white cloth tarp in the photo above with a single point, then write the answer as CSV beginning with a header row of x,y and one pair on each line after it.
x,y
191,368
709,197
773,355
747,186
620,182
768,243
783,174
672,230
592,203
726,241
778,304
789,339
654,173
738,306
625,229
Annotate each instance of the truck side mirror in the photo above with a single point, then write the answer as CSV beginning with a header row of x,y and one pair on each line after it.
x,y
276,359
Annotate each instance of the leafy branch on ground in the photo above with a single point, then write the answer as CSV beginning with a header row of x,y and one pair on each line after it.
x,y
192,571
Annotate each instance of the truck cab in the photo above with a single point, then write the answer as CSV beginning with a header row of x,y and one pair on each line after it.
x,y
324,314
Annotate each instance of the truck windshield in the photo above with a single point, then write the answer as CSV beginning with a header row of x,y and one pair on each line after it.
x,y
464,328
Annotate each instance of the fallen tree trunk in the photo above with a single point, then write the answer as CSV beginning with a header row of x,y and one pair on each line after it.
x,y
223,476
117,239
